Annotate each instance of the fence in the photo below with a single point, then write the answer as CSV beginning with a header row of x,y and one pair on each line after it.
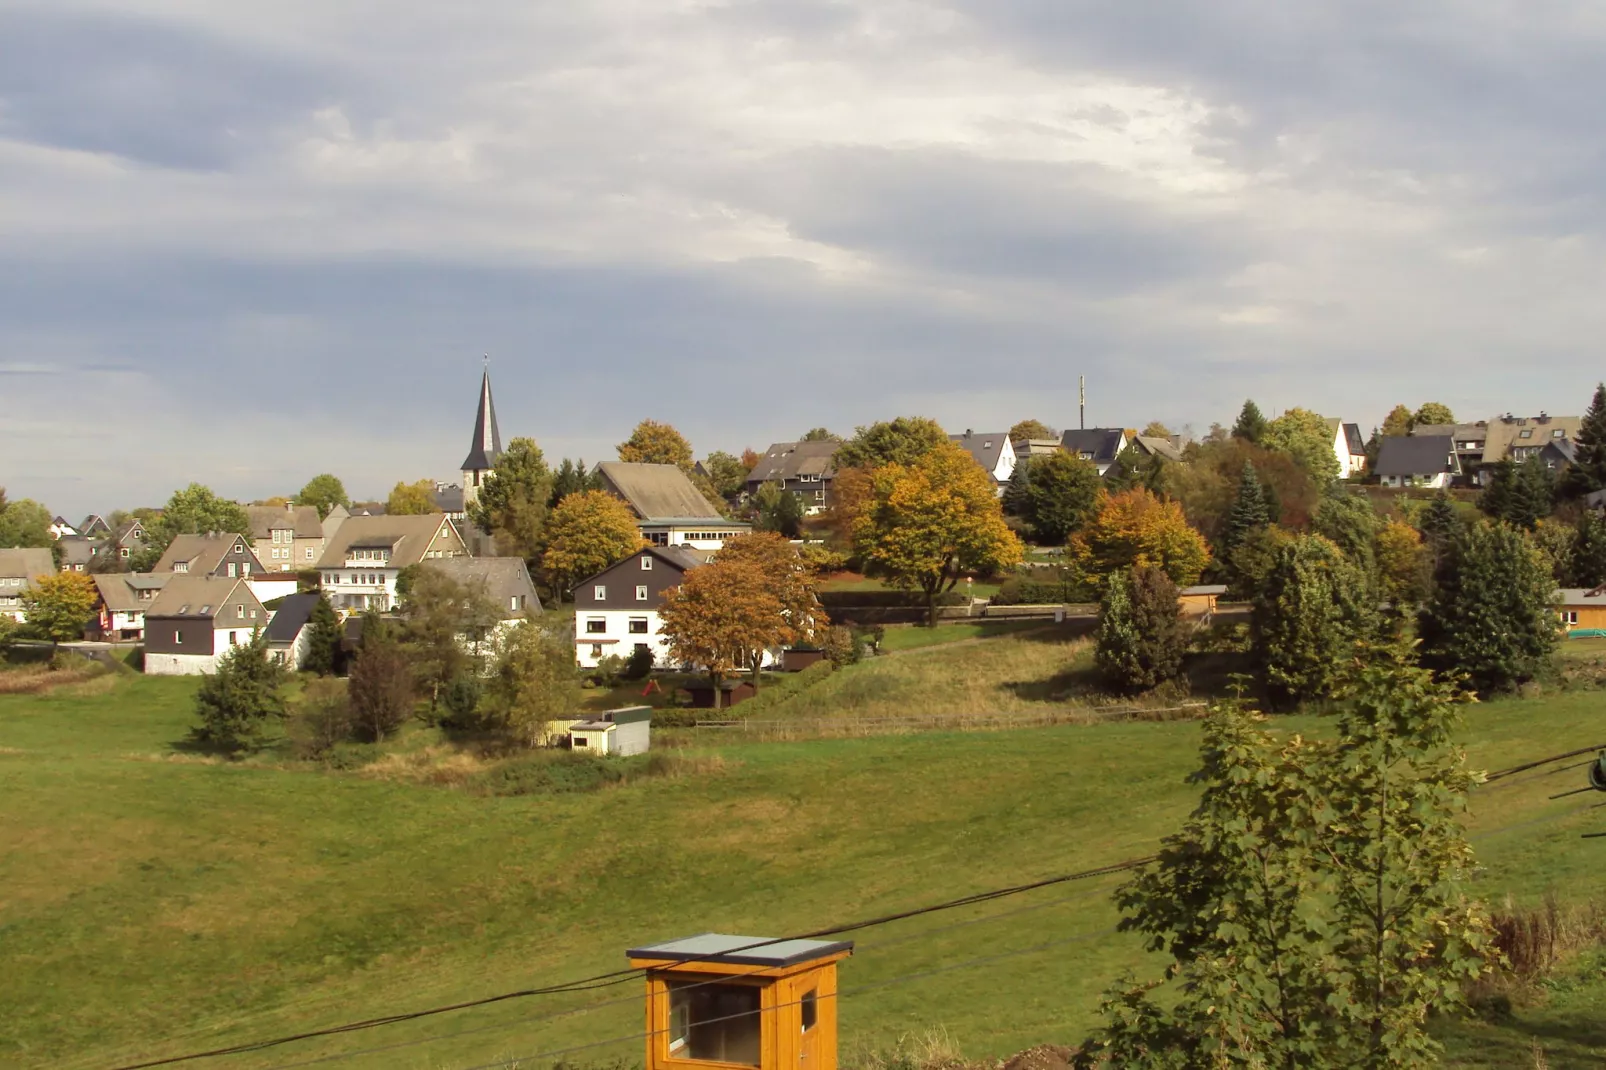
x,y
831,727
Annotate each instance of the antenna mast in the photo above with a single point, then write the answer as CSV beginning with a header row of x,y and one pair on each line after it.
x,y
1081,402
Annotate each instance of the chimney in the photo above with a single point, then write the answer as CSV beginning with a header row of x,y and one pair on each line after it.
x,y
968,432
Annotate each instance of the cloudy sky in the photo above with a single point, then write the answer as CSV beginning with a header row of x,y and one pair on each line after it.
x,y
244,243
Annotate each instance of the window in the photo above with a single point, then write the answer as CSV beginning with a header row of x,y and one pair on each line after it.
x,y
646,562
810,1007
714,1022
239,549
309,553
178,637
1525,434
641,593
122,552
581,741
596,626
638,625
1558,433
1569,616
234,639
239,610
600,592
596,650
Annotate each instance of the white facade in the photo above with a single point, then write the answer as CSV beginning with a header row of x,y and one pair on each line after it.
x,y
11,590
698,534
200,661
1435,481
268,585
1348,464
599,633
1006,464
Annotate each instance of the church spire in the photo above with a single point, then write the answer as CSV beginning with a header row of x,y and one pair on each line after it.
x,y
487,444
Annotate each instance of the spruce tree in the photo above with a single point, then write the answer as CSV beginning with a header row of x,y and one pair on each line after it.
x,y
1141,637
1489,619
1498,492
1588,471
1439,520
1586,565
1017,492
1533,495
1251,425
324,635
1313,607
236,702
1249,512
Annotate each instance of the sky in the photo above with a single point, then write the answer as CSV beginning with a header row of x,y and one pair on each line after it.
x,y
241,244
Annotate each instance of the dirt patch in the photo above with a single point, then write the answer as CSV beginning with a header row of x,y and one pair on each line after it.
x,y
1042,1057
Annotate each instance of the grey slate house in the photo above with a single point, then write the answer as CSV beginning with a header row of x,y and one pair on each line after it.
x,y
616,610
196,620
807,469
226,556
1099,446
504,580
1417,461
992,450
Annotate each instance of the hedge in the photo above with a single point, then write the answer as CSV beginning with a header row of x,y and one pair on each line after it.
x,y
885,599
1024,592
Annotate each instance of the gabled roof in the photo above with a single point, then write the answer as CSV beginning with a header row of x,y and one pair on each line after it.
x,y
1103,443
1578,596
1158,447
1416,455
448,498
790,460
292,615
1354,440
78,549
985,446
93,523
26,562
1506,433
657,491
130,531
203,553
265,519
503,578
199,596
677,558
120,591
407,537
486,446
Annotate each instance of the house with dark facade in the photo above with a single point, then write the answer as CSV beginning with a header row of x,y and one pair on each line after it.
x,y
806,469
670,510
1417,461
616,611
223,555
198,619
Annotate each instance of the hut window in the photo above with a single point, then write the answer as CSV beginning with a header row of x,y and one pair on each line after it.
x,y
1569,616
714,1022
810,1005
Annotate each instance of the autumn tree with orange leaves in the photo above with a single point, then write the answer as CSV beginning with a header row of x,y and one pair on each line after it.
x,y
657,443
719,615
790,579
1136,528
925,524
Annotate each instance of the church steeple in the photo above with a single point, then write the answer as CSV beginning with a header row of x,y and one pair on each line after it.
x,y
487,444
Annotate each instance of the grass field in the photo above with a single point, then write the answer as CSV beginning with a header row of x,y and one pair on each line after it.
x,y
154,901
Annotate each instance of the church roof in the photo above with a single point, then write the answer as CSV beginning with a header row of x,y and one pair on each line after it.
x,y
487,444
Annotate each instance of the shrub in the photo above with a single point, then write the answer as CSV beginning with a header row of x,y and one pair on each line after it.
x,y
320,719
609,671
885,599
381,682
1141,637
235,703
841,646
462,702
1019,591
639,666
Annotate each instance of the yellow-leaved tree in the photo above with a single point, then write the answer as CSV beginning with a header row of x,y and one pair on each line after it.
x,y
657,443
584,534
1402,564
61,605
924,525
1136,528
412,499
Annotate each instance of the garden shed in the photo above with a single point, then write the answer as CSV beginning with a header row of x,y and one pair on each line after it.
x,y
619,732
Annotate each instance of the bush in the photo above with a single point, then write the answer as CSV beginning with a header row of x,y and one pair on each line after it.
x,y
381,682
1018,591
885,599
320,719
639,666
462,702
235,703
841,646
609,671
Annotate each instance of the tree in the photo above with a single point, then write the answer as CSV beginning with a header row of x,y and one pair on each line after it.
x,y
1311,904
1252,559
790,579
1156,429
512,502
571,477
1305,437
1439,520
1141,637
820,434
1587,473
1398,422
1519,494
1061,495
237,701
1432,414
61,604
1586,562
1403,566
1128,470
412,499
195,510
325,492
1135,528
447,629
1251,424
1350,522
1374,446
25,522
779,510
1312,609
655,443
380,681
1027,430
1489,618
1017,491
320,718
534,683
585,534
727,473
1207,486
927,524
719,616
1250,511
902,441
324,638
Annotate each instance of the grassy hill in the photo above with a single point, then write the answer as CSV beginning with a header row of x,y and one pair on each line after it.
x,y
153,900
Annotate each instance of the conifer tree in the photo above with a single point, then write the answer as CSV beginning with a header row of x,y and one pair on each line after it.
x,y
1587,559
1439,520
1141,637
1489,618
1251,425
1533,495
1250,511
236,702
1313,607
324,635
1588,471
1017,492
1352,524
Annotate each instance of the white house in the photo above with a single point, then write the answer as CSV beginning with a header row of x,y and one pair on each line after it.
x,y
196,620
1417,461
366,554
670,510
288,634
19,567
1348,446
616,610
992,450
124,599
1099,446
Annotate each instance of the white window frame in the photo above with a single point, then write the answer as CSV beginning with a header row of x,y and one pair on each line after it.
x,y
641,592
599,592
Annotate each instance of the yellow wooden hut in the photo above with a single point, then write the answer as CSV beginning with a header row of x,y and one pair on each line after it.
x,y
1581,610
741,1001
